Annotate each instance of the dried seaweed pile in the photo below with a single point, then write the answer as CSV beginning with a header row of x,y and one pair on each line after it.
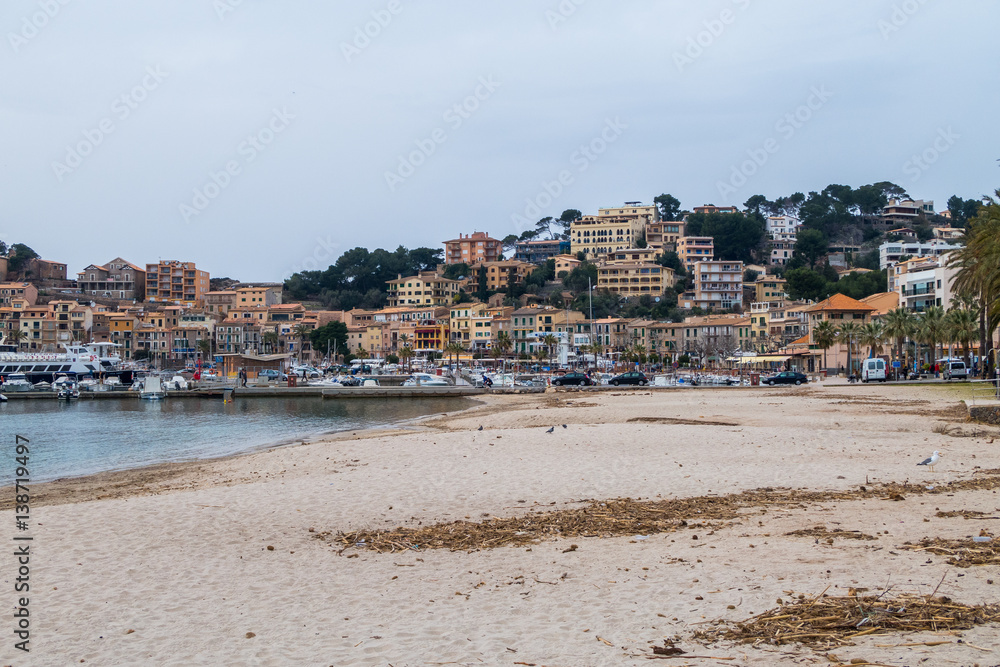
x,y
824,532
834,621
961,553
598,519
620,517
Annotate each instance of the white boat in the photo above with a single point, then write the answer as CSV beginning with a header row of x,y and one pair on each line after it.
x,y
62,382
178,383
17,382
426,380
327,382
151,389
67,391
112,381
81,359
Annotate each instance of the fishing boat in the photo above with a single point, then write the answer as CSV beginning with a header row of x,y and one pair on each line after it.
x,y
152,390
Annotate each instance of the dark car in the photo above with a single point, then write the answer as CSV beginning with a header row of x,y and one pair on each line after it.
x,y
630,378
788,377
578,379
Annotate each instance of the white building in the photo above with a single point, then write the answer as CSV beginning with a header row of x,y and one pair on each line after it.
x,y
890,252
783,225
926,283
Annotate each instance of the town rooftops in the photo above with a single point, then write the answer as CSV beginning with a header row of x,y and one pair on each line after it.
x,y
840,303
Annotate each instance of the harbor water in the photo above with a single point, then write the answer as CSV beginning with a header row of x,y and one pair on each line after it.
x,y
70,439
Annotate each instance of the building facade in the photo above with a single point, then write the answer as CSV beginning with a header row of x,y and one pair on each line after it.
x,y
117,279
171,281
472,248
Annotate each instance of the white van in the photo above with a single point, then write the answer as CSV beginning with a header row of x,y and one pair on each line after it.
x,y
954,369
873,370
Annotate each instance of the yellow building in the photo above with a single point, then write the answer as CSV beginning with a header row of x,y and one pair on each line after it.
x,y
769,288
611,229
633,273
426,288
460,322
499,274
254,295
566,263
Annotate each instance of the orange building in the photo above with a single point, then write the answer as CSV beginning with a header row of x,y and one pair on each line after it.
x,y
472,248
178,282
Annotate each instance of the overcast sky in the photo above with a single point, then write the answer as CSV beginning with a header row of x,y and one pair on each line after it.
x,y
119,120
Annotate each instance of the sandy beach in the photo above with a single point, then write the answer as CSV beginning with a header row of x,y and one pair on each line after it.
x,y
219,563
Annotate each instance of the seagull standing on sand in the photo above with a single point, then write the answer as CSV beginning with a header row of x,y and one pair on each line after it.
x,y
932,461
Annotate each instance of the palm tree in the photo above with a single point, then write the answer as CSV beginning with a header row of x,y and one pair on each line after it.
x,y
270,340
898,324
406,353
550,342
849,331
301,331
503,344
404,340
978,275
871,336
824,336
454,349
933,327
15,336
963,328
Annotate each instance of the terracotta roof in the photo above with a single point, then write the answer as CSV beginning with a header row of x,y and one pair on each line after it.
x,y
839,302
802,341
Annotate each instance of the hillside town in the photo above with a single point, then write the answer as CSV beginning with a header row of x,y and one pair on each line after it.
x,y
639,283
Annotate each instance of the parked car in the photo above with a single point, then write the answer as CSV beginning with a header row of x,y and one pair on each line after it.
x,y
272,375
308,370
787,377
578,379
634,377
955,369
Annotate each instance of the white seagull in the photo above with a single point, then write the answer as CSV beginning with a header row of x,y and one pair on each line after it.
x,y
932,461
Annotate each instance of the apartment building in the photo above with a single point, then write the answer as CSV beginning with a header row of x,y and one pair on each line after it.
x,y
906,212
117,279
472,248
566,264
709,208
612,229
694,249
11,291
461,321
662,236
716,338
718,284
769,288
500,275
633,273
925,283
539,252
891,252
264,294
782,225
424,289
220,302
782,249
171,281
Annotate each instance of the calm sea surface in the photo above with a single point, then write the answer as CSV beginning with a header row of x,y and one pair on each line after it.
x,y
85,437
